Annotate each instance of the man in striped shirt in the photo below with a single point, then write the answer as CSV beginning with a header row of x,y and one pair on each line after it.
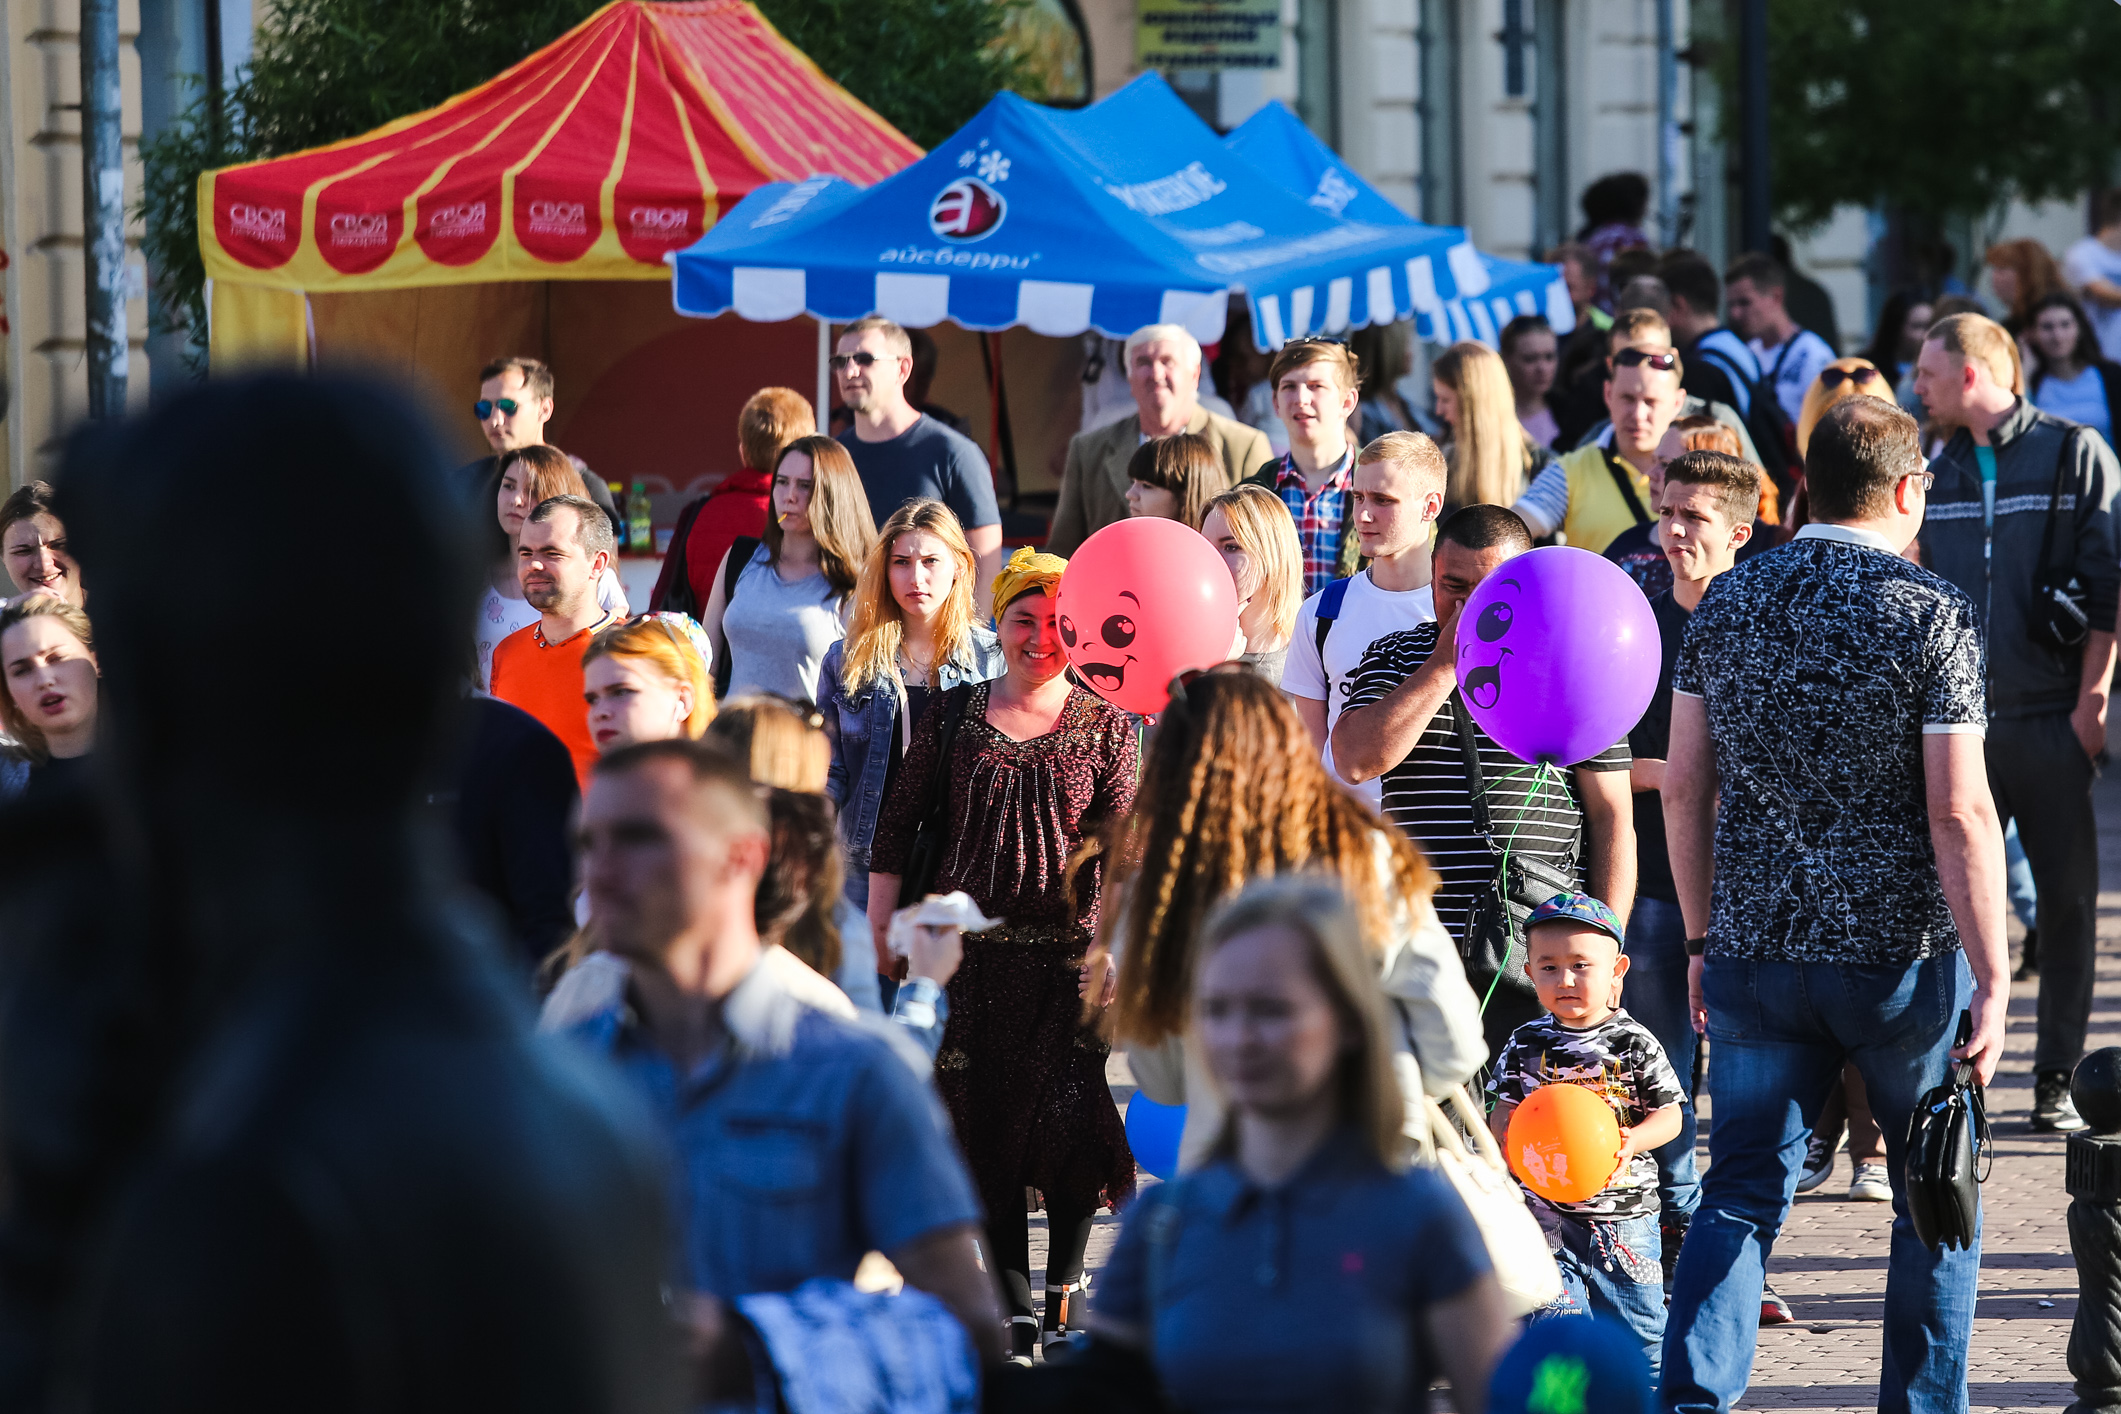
x,y
1400,724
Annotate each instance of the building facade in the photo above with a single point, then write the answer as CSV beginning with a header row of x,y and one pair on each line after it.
x,y
43,363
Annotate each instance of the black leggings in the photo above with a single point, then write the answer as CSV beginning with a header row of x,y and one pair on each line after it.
x,y
1009,1246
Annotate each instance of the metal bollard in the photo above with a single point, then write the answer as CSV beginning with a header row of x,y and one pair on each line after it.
x,y
2092,1173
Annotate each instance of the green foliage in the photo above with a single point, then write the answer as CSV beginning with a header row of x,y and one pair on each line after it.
x,y
1937,109
323,70
926,65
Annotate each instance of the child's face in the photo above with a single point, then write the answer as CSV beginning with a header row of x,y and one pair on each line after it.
x,y
1577,970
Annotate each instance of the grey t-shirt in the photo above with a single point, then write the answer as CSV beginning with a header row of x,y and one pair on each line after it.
x,y
927,459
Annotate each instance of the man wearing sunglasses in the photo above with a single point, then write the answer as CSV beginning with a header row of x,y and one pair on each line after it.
x,y
1596,492
2023,508
902,453
513,406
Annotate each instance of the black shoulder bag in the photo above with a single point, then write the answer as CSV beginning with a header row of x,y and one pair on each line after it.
x,y
1493,946
1947,1155
2056,618
1627,491
924,859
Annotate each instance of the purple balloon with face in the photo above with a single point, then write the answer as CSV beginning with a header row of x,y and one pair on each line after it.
x,y
1557,655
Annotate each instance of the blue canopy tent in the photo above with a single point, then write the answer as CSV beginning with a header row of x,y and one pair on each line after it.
x,y
1489,291
1125,213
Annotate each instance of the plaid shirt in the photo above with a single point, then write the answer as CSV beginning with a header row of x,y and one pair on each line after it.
x,y
1318,518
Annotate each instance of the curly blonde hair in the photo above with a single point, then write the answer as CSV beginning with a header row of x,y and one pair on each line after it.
x,y
1232,789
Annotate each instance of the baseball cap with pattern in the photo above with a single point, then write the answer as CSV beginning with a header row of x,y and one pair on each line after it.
x,y
1579,908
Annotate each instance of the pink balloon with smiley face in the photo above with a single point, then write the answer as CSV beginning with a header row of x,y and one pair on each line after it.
x,y
1558,654
1142,601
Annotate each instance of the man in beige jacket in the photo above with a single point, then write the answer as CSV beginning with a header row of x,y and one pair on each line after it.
x,y
1163,370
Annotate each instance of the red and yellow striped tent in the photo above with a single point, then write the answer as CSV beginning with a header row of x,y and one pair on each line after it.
x,y
595,157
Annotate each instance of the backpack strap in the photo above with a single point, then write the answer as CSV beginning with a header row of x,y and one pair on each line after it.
x,y
674,593
740,553
1329,601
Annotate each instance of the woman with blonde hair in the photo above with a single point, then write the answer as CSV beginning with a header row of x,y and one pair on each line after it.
x,y
778,602
1232,789
1843,378
912,635
1250,527
1492,459
526,478
647,680
1356,1278
1174,478
48,653
2022,273
781,742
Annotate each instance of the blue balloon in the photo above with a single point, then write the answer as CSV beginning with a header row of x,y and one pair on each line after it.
x,y
1152,1133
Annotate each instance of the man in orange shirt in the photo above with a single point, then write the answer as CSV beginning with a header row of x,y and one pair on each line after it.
x,y
566,544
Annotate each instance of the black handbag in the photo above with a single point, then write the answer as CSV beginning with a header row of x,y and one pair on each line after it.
x,y
1493,946
2056,618
924,857
1948,1156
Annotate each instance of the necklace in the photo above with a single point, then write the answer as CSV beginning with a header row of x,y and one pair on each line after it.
x,y
908,662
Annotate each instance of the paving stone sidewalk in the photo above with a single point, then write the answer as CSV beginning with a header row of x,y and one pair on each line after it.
x,y
1830,1262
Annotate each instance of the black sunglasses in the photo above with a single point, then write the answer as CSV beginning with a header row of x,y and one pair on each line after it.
x,y
1663,360
1835,377
483,408
839,362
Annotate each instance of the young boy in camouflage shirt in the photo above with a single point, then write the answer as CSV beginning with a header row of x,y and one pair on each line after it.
x,y
1607,1245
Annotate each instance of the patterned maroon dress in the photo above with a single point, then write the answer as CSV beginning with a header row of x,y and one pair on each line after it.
x,y
1023,1079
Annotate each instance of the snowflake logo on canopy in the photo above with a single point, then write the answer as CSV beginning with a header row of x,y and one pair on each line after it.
x,y
965,158
993,167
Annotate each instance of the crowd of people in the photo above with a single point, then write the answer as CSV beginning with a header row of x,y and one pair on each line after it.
x,y
857,887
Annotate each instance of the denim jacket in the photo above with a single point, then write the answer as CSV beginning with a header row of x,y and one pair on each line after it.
x,y
860,727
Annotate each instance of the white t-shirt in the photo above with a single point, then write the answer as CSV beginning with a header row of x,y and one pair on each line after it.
x,y
1366,615
1808,353
499,616
2093,259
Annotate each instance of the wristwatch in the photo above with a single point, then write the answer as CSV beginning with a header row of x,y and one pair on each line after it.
x,y
1695,947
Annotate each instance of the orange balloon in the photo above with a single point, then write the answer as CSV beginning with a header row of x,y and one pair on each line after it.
x,y
1564,1143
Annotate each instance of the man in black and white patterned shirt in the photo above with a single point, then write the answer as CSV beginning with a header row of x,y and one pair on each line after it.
x,y
1400,724
1847,904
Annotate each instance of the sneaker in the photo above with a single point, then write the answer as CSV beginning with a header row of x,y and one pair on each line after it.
x,y
1774,1311
1871,1185
2053,1110
1818,1163
2028,957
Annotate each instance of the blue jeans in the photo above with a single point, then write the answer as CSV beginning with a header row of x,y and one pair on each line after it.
x,y
1782,1031
2018,877
1609,1267
1655,995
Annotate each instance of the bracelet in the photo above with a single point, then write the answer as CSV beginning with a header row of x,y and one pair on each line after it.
x,y
1695,947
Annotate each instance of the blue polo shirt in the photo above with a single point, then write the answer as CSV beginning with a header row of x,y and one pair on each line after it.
x,y
794,1164
1301,1297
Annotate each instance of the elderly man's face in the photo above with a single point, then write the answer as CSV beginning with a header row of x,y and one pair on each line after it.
x,y
1165,377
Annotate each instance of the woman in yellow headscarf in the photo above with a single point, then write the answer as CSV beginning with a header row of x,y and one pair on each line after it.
x,y
1005,779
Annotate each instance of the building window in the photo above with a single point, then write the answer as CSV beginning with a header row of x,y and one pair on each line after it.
x,y
1442,187
1318,68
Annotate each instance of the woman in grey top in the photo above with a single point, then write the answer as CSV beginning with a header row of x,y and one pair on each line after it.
x,y
785,609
